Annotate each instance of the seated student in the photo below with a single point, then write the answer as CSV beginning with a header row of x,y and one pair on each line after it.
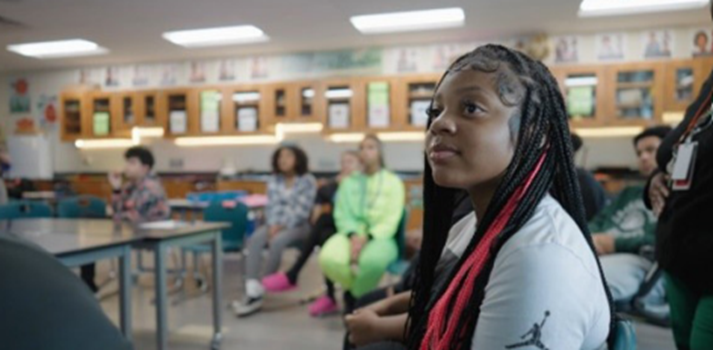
x,y
323,227
141,199
498,129
45,306
625,226
593,194
381,316
367,213
291,192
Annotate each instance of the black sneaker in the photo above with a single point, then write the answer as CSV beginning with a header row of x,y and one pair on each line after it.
x,y
248,306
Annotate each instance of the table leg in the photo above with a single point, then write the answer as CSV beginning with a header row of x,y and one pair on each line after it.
x,y
160,274
217,290
125,292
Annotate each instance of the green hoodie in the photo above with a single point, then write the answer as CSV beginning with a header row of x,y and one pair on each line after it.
x,y
628,219
370,205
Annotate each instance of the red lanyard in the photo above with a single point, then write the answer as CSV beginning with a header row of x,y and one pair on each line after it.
x,y
694,121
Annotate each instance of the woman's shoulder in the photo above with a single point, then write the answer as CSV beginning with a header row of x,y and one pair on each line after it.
x,y
551,226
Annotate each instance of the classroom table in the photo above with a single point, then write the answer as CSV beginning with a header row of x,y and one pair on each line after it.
x,y
80,242
83,241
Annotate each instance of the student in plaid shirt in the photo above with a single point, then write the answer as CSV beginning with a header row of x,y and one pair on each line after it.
x,y
291,192
141,199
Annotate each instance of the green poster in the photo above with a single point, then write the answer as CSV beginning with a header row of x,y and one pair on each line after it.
x,y
580,101
101,123
378,94
210,101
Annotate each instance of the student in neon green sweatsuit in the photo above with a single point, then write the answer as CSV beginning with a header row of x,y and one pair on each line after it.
x,y
368,209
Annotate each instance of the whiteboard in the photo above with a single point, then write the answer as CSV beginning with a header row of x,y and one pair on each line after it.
x,y
30,157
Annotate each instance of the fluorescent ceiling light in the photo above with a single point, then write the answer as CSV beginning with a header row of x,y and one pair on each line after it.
x,y
58,49
226,140
609,132
338,94
401,136
105,143
296,128
409,21
592,8
346,137
581,81
140,132
243,97
245,34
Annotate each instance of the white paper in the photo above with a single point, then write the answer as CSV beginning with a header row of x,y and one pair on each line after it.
x,y
683,161
339,116
210,121
419,113
247,119
379,116
163,225
178,122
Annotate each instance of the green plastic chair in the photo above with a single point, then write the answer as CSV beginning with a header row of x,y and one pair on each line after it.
x,y
25,210
235,213
89,207
398,267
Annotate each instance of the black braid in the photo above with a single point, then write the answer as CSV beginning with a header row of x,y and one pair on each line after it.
x,y
541,127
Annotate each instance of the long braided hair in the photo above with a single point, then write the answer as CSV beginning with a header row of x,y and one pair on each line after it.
x,y
542,164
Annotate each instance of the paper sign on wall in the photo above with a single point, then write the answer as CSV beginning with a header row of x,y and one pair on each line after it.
x,y
210,111
247,119
339,115
178,122
378,99
419,112
580,101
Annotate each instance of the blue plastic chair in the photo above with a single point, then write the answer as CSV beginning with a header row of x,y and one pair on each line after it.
x,y
90,207
235,213
25,210
398,267
625,337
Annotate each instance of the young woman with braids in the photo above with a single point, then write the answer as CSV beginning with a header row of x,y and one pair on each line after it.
x,y
529,279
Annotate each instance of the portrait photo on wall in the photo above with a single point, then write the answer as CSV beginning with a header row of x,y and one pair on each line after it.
x,y
702,42
610,46
657,43
566,49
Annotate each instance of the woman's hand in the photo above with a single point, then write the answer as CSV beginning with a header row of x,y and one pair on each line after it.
x,y
658,192
115,180
357,244
604,243
363,327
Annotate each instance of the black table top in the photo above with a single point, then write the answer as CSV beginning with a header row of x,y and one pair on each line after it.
x,y
66,236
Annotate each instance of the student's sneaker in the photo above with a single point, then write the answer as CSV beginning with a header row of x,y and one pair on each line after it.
x,y
324,305
278,283
248,306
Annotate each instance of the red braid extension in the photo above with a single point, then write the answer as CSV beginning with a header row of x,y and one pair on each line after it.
x,y
439,332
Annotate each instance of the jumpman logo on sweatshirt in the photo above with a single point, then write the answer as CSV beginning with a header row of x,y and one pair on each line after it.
x,y
535,336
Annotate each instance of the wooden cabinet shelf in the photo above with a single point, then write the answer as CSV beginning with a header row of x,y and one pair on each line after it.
x,y
641,85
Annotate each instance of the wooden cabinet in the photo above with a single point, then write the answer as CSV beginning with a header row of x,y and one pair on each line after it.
x,y
146,109
296,102
178,108
683,81
74,122
344,103
636,93
126,118
244,110
412,100
103,112
584,90
210,106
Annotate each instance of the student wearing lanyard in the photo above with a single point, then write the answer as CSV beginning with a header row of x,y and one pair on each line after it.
x,y
681,193
529,278
367,213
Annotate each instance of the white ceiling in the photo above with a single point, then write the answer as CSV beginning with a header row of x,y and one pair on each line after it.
x,y
131,29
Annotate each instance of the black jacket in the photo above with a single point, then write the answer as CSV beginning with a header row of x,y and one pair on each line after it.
x,y
684,241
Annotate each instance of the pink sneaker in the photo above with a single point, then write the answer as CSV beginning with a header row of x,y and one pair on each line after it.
x,y
324,305
277,283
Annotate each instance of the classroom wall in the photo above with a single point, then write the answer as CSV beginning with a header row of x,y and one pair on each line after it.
x,y
324,155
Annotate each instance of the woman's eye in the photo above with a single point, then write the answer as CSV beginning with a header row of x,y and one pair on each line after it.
x,y
471,108
433,112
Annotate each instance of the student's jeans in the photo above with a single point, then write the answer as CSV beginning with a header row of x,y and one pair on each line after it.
x,y
260,239
322,230
691,315
625,273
